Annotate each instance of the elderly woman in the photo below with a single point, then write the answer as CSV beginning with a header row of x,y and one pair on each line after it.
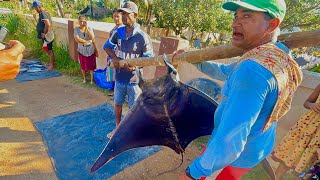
x,y
84,36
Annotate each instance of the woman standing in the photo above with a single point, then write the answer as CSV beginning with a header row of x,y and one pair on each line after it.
x,y
298,150
84,36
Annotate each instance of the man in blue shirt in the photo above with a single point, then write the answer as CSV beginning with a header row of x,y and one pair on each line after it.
x,y
240,140
131,42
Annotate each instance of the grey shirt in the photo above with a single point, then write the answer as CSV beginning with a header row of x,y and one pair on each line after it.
x,y
86,50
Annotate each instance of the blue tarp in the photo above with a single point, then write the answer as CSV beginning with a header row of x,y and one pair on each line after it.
x,y
207,86
75,140
31,70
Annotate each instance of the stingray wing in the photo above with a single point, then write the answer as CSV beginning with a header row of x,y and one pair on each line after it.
x,y
144,125
197,116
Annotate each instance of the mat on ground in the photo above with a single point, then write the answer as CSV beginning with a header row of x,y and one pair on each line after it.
x,y
31,70
74,141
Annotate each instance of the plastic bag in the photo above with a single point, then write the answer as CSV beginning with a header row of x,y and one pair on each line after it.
x,y
45,46
100,78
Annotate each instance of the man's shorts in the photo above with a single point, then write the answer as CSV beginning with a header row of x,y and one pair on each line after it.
x,y
48,44
122,89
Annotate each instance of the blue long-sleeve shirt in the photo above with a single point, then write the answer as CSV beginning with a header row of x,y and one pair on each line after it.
x,y
248,97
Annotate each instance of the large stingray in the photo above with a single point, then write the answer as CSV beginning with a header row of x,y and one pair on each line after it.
x,y
167,113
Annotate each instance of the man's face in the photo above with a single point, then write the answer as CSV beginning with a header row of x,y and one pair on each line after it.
x,y
117,18
128,19
249,28
38,9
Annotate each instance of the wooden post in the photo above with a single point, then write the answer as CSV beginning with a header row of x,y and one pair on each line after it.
x,y
73,45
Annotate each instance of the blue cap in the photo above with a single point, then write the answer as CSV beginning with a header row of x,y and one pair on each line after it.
x,y
36,3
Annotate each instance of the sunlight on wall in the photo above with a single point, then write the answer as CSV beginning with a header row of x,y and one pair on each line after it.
x,y
21,148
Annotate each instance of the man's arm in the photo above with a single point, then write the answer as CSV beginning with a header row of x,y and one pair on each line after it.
x,y
47,23
10,60
215,70
109,46
147,49
248,90
222,71
311,102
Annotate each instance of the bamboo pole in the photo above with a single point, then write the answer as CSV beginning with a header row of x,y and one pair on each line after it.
x,y
291,40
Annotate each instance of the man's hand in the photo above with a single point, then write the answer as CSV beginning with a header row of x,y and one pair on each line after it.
x,y
10,60
183,176
127,66
315,107
119,63
116,63
43,35
2,46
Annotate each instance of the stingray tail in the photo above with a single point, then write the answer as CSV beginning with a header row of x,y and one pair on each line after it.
x,y
170,169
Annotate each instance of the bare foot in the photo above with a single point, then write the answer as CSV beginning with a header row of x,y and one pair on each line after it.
x,y
111,133
84,81
110,94
91,82
50,68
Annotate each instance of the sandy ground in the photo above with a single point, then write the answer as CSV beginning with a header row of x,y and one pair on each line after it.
x,y
23,154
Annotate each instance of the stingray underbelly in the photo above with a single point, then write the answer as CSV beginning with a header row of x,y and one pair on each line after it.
x,y
195,119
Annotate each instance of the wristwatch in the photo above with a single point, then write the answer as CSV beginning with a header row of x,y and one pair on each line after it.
x,y
188,173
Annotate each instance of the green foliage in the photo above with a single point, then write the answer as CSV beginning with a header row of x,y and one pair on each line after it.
x,y
302,13
21,29
256,172
315,69
201,142
196,15
13,5
107,19
64,63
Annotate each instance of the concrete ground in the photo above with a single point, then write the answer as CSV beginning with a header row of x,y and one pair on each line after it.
x,y
23,154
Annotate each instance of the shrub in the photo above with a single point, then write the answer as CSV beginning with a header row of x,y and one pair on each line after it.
x,y
313,62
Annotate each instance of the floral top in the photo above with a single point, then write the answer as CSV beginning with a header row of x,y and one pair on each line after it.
x,y
86,50
285,70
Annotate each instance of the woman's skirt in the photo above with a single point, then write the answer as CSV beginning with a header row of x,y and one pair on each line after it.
x,y
87,63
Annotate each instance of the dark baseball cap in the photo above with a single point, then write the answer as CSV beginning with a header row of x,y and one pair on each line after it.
x,y
36,4
129,7
275,8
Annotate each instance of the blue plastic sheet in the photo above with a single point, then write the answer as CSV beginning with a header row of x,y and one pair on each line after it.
x,y
31,70
100,77
207,86
75,140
